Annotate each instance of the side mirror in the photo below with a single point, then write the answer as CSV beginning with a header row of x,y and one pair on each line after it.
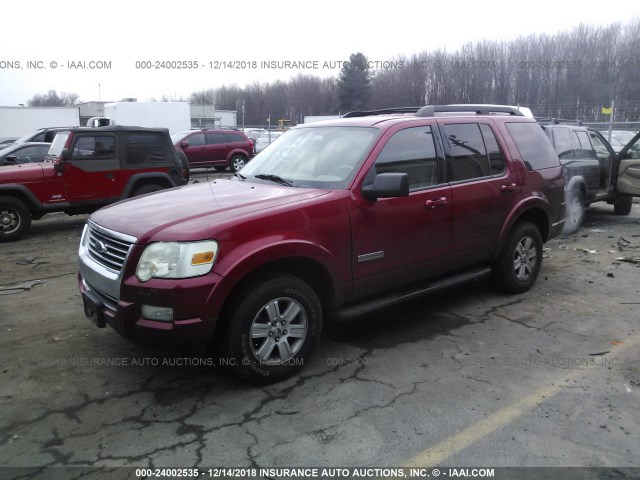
x,y
65,154
387,185
11,158
184,144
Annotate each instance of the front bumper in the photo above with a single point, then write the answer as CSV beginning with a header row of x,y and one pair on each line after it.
x,y
125,317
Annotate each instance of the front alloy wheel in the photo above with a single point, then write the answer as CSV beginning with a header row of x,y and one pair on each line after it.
x,y
278,331
270,328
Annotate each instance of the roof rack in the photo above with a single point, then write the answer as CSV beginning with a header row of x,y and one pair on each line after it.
x,y
384,111
558,121
431,110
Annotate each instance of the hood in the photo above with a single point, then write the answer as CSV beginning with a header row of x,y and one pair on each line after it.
x,y
195,212
23,172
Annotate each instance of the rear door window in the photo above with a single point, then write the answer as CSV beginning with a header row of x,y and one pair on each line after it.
x,y
467,156
535,148
216,138
562,142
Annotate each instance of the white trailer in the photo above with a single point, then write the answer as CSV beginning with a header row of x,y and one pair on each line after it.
x,y
172,115
18,121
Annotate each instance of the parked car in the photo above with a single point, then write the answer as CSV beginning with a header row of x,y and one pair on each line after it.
x,y
43,135
254,133
4,141
32,152
336,218
265,139
215,148
590,169
85,169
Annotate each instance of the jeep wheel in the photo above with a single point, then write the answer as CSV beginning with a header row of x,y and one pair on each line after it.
x,y
622,205
519,264
15,218
148,188
574,215
237,162
273,327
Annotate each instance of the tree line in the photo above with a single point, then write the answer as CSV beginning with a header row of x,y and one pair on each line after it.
x,y
566,75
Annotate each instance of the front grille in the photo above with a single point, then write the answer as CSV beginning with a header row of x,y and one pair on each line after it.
x,y
106,249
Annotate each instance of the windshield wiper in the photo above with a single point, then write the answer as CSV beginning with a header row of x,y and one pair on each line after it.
x,y
274,178
240,176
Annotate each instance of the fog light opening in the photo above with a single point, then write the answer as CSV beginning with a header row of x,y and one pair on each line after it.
x,y
161,314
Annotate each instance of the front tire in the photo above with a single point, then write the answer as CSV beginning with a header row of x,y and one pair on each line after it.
x,y
518,266
622,205
15,218
272,329
237,162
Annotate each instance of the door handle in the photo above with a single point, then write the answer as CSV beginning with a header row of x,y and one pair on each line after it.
x,y
508,187
436,202
108,175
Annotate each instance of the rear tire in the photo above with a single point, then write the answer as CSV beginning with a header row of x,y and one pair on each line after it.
x,y
148,188
575,212
519,263
15,218
622,205
237,162
271,329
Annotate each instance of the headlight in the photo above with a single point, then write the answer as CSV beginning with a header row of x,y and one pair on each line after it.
x,y
177,260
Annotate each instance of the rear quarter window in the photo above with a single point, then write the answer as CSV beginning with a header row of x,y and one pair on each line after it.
x,y
535,148
145,149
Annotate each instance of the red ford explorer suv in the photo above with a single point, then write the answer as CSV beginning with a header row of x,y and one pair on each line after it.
x,y
342,216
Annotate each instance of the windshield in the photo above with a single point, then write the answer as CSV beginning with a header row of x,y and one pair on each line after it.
x,y
26,138
314,157
176,137
58,144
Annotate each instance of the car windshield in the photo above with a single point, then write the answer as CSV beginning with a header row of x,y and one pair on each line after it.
x,y
176,137
58,144
314,157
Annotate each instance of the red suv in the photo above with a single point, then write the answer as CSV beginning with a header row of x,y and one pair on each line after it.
x,y
338,217
215,148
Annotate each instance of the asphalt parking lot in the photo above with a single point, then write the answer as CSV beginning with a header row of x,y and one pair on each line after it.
x,y
470,377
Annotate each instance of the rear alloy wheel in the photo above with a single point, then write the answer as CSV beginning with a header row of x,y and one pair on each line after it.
x,y
15,218
519,264
622,205
575,211
237,162
272,329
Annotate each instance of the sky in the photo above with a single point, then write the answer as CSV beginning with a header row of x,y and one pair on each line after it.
x,y
146,49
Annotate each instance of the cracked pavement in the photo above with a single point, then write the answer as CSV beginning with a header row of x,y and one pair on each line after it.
x,y
379,391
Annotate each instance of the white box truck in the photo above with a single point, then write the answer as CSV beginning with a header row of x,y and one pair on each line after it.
x,y
19,121
172,115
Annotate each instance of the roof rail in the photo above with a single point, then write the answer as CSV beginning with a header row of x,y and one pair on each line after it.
x,y
431,110
558,121
384,111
